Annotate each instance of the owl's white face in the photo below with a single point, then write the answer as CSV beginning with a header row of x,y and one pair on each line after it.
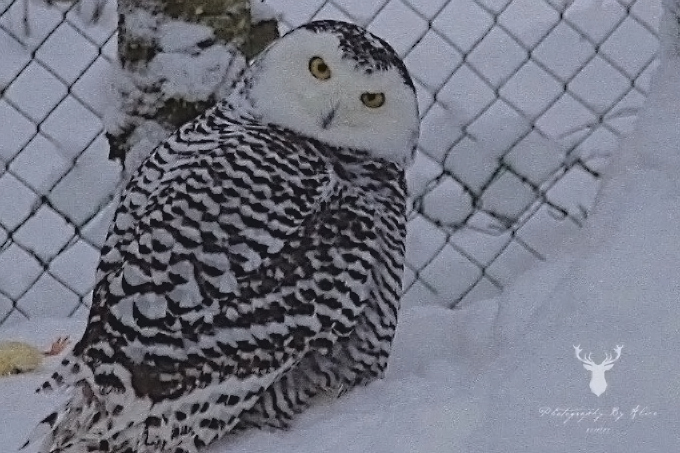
x,y
307,83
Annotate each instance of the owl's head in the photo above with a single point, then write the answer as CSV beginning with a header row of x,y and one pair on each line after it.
x,y
340,84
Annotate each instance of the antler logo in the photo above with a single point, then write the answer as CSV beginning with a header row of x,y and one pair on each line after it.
x,y
598,384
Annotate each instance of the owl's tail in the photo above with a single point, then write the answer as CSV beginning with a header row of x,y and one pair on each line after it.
x,y
95,419
59,430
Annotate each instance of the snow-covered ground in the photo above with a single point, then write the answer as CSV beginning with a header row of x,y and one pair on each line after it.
x,y
501,375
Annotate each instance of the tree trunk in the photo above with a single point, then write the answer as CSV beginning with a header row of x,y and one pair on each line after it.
x,y
177,58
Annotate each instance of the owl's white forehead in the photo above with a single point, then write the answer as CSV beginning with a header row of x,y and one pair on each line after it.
x,y
306,43
364,53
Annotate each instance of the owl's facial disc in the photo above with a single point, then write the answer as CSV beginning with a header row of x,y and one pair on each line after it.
x,y
341,85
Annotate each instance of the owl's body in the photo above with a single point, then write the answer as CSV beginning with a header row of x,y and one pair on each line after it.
x,y
251,265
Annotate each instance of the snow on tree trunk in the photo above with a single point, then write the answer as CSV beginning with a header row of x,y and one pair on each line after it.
x,y
176,59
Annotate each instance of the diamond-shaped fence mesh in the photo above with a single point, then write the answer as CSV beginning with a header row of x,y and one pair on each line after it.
x,y
521,103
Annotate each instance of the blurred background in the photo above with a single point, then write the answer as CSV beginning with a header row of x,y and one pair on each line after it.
x,y
522,103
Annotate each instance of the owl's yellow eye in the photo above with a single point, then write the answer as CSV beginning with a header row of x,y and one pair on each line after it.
x,y
373,100
319,68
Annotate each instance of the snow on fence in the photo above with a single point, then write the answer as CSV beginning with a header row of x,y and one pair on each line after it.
x,y
521,102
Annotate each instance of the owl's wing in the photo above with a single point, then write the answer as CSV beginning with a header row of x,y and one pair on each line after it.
x,y
230,260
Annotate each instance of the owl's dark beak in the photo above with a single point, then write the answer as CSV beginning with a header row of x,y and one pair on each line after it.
x,y
328,119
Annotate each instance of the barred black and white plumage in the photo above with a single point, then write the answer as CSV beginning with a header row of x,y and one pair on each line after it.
x,y
255,259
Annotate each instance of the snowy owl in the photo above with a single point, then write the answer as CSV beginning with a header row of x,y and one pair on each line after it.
x,y
255,259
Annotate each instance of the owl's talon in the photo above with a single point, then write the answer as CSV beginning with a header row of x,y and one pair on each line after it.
x,y
57,347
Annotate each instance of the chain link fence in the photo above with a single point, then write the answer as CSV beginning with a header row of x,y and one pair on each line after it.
x,y
521,103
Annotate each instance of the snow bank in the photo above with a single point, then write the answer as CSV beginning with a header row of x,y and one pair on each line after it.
x,y
619,285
